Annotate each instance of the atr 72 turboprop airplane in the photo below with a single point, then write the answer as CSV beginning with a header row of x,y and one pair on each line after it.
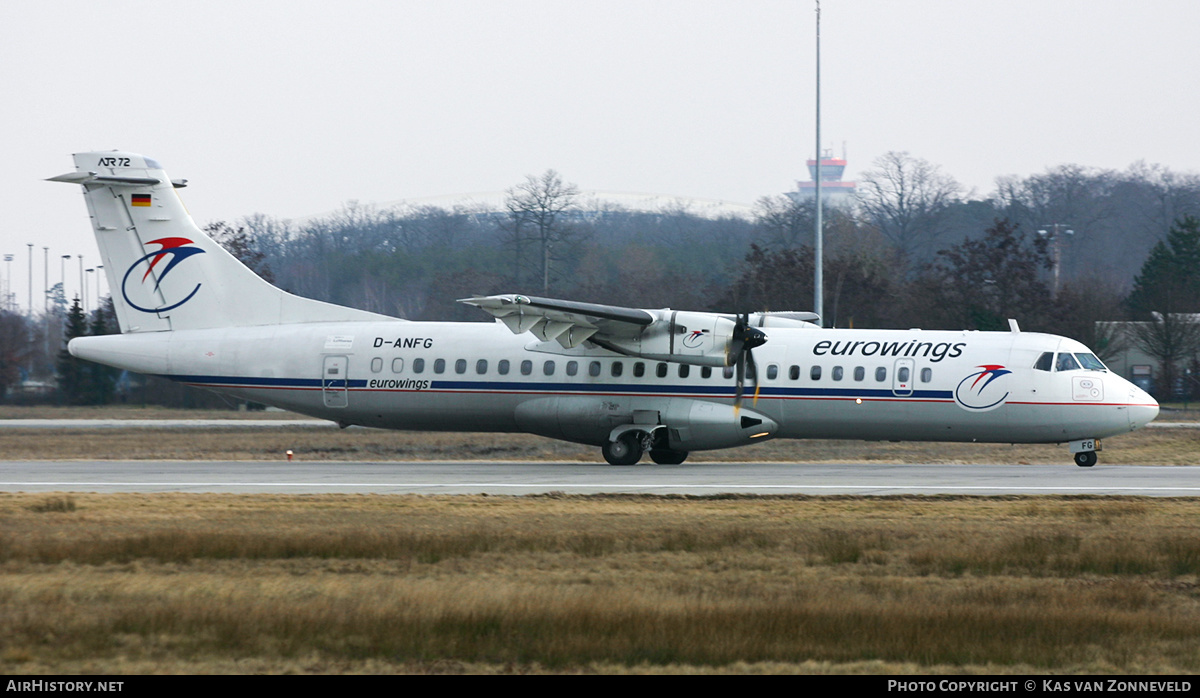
x,y
627,380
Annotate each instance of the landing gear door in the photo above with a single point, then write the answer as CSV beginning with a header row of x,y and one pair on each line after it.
x,y
334,381
902,377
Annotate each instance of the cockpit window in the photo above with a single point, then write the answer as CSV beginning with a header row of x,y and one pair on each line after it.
x,y
1045,362
1066,362
1090,362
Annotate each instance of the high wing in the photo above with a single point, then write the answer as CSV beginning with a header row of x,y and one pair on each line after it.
x,y
569,323
704,339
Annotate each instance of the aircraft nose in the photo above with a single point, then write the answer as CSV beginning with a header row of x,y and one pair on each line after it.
x,y
1143,410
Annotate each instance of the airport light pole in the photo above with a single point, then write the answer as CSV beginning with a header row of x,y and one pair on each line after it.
x,y
99,268
46,300
82,288
819,235
62,276
1056,241
7,304
30,245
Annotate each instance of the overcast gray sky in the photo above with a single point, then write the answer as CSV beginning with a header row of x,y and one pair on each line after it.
x,y
293,108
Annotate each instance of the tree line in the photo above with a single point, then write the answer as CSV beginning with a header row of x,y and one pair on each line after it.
x,y
1062,251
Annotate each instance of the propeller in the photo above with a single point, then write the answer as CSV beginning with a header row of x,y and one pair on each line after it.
x,y
745,338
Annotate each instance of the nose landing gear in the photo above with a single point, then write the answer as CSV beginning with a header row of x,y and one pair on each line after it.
x,y
1084,451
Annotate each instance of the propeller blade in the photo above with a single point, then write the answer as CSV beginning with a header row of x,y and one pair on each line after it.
x,y
753,372
745,338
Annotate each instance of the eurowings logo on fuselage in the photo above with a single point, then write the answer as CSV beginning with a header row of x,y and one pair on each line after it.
x,y
695,339
980,391
170,247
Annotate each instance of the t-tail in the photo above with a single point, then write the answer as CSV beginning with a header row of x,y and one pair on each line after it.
x,y
164,272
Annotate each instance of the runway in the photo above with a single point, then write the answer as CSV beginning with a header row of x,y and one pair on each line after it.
x,y
514,478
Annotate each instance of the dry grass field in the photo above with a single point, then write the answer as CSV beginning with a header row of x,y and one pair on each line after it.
x,y
174,583
208,583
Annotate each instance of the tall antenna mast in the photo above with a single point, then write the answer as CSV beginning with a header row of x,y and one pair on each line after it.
x,y
818,251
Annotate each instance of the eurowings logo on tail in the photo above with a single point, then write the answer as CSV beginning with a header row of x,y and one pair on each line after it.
x,y
980,391
170,247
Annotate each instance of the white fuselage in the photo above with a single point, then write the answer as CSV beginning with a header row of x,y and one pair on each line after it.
x,y
812,383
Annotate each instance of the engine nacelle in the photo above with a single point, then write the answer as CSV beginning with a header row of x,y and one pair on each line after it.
x,y
689,424
700,425
700,339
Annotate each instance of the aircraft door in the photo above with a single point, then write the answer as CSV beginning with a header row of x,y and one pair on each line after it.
x,y
334,381
903,378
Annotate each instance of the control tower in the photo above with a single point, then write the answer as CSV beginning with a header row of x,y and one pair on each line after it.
x,y
833,189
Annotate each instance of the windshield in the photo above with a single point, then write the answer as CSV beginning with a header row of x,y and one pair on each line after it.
x,y
1090,362
1066,362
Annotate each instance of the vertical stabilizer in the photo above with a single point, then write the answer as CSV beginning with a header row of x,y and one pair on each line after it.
x,y
164,272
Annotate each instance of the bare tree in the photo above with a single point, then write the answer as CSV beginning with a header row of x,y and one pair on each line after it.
x,y
240,244
537,212
1171,338
907,198
1172,195
787,221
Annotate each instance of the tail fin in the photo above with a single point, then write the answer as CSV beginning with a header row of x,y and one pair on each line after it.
x,y
164,272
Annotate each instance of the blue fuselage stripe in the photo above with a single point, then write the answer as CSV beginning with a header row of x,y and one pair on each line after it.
x,y
721,391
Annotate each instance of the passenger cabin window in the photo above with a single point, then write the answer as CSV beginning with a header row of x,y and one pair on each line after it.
x,y
660,370
594,368
815,373
548,368
502,367
794,373
926,375
684,370
727,372
460,366
772,372
397,365
639,369
376,365
706,371
1066,362
1045,362
418,365
439,366
880,374
837,373
617,369
902,374
526,367
481,366
572,368
859,373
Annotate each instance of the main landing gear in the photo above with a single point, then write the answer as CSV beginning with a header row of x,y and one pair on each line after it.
x,y
631,445
1085,459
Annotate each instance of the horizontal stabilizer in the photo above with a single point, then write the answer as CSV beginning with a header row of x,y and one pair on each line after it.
x,y
90,177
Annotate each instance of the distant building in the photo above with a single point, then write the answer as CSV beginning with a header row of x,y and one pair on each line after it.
x,y
833,189
1127,359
